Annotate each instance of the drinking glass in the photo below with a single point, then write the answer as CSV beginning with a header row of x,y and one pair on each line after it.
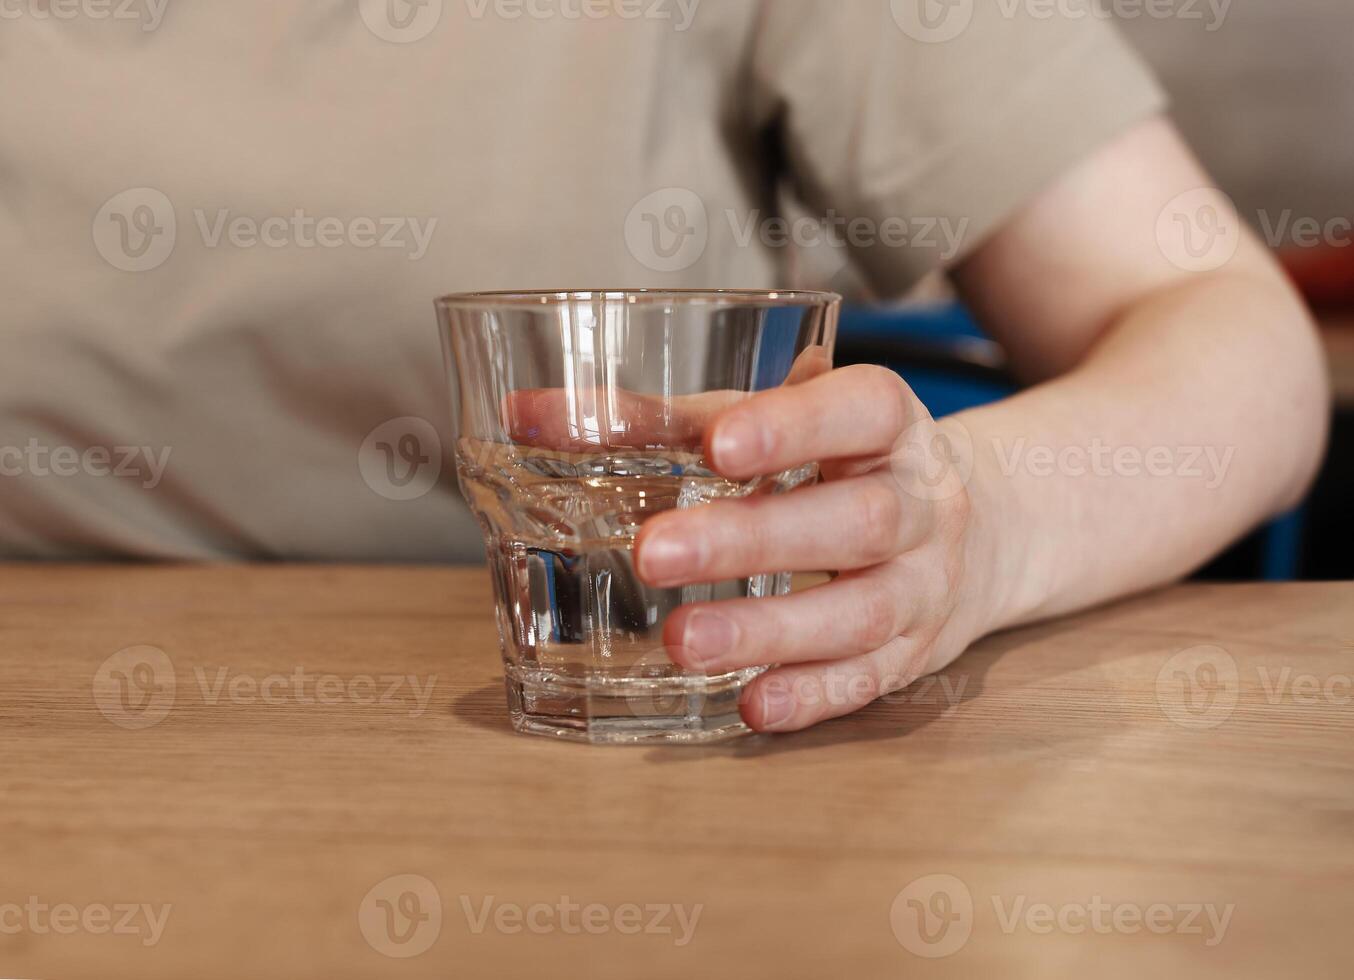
x,y
581,415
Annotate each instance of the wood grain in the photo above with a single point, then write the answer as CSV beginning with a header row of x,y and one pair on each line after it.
x,y
1045,769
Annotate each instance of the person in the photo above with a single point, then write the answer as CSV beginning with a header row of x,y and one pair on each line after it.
x,y
223,225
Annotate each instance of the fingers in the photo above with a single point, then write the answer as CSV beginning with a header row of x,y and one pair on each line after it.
x,y
811,362
792,698
844,525
856,411
852,615
583,420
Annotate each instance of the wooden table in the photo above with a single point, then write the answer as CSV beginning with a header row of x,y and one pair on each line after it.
x,y
1061,766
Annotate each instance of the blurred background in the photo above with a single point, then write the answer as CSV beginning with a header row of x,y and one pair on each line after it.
x,y
1265,93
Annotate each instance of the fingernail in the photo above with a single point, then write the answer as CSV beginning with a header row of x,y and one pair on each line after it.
x,y
668,558
768,703
708,637
777,712
739,443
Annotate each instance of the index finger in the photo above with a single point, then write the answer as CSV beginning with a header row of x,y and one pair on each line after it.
x,y
570,420
848,413
583,419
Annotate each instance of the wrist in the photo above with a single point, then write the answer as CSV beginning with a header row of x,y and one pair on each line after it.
x,y
1002,578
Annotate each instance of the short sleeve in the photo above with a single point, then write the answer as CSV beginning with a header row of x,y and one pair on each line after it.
x,y
918,126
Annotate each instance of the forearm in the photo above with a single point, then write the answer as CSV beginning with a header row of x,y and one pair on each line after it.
x,y
1200,413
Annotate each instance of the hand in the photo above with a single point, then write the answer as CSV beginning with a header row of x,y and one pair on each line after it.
x,y
893,517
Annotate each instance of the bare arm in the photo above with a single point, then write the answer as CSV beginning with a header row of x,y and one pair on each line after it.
x,y
1173,410
1147,358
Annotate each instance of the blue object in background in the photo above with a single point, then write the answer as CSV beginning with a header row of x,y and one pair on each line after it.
x,y
946,325
1282,547
894,337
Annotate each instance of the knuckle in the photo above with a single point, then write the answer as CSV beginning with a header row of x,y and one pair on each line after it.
x,y
769,427
877,617
899,668
864,686
889,395
751,532
880,516
957,511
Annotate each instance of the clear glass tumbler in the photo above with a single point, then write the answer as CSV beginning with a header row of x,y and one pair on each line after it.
x,y
581,415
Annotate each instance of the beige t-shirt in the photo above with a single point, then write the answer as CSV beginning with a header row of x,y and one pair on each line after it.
x,y
222,225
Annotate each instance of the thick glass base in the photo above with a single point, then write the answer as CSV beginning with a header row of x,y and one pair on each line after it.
x,y
627,710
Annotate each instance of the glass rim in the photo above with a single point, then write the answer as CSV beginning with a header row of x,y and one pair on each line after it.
x,y
711,297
